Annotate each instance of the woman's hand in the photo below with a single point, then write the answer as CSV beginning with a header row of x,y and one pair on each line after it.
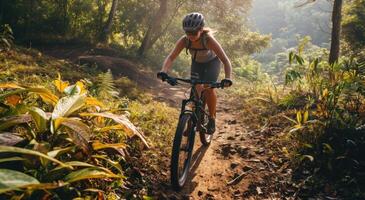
x,y
226,82
162,75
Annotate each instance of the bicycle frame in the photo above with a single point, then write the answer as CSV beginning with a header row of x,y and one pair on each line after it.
x,y
198,105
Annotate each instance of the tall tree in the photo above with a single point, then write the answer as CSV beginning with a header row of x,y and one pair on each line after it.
x,y
155,25
1,12
336,31
108,26
101,12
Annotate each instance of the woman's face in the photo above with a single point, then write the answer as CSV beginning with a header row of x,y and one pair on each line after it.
x,y
194,36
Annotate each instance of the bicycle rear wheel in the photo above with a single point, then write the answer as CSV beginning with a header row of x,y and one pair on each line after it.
x,y
205,138
182,150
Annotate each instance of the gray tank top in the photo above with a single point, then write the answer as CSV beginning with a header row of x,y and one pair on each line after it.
x,y
200,55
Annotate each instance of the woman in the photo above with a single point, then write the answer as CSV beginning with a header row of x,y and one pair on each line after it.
x,y
207,56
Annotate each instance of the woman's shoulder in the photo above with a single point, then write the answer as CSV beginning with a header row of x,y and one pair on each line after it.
x,y
208,38
183,38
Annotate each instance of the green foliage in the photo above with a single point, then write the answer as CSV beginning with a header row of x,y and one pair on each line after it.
x,y
280,67
287,23
287,20
42,21
156,120
353,24
61,146
6,37
293,100
105,86
333,98
128,88
248,68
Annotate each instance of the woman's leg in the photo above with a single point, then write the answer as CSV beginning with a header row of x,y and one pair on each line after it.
x,y
211,99
199,88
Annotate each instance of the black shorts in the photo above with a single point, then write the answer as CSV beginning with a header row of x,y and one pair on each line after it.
x,y
208,71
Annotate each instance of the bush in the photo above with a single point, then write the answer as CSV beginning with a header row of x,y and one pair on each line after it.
x,y
59,142
332,134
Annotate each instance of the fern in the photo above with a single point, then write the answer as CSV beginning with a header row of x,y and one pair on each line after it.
x,y
6,37
105,87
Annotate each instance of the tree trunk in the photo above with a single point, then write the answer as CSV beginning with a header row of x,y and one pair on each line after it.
x,y
336,31
28,29
64,16
155,25
1,12
62,10
101,11
108,26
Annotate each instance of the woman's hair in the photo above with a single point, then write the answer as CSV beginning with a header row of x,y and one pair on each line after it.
x,y
209,31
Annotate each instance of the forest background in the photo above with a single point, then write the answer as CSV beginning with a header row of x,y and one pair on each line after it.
x,y
312,51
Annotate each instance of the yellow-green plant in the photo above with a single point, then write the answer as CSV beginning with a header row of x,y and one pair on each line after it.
x,y
49,140
334,137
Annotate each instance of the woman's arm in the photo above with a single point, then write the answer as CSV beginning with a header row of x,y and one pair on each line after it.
x,y
213,44
180,45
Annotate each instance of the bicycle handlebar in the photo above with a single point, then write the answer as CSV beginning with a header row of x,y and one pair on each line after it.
x,y
174,81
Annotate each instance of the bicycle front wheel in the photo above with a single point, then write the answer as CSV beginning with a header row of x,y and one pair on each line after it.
x,y
182,150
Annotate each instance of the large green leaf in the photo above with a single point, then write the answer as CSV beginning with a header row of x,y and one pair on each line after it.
x,y
10,86
57,152
68,105
11,159
45,186
118,147
98,146
40,118
115,164
123,120
89,173
72,90
75,164
80,133
7,122
44,93
31,152
10,139
10,180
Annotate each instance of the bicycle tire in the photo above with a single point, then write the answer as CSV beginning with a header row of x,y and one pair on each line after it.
x,y
179,174
205,138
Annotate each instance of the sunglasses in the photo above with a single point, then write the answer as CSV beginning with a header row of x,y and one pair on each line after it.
x,y
192,33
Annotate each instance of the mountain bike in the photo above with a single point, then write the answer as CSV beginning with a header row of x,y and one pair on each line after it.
x,y
193,118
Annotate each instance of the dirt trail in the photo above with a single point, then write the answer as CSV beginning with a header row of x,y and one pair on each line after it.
x,y
234,165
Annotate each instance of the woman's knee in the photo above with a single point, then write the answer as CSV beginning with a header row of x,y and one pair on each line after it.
x,y
211,90
211,93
